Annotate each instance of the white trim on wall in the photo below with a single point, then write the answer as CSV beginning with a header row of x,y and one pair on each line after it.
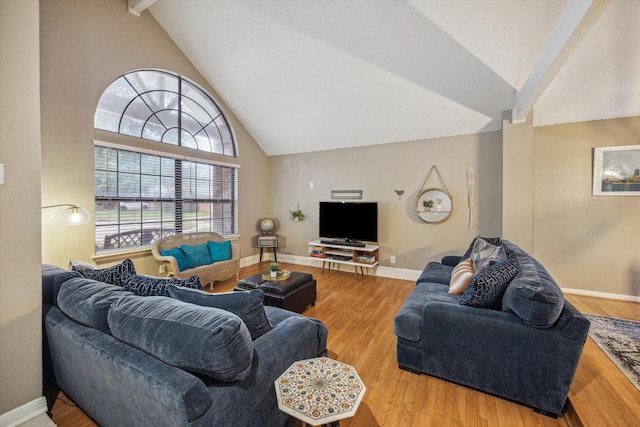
x,y
24,413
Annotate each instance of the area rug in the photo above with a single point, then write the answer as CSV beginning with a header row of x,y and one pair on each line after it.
x,y
620,340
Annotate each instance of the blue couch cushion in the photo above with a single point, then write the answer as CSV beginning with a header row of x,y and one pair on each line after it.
x,y
532,295
487,287
87,301
247,305
198,339
114,275
435,272
408,322
52,278
178,254
219,251
158,286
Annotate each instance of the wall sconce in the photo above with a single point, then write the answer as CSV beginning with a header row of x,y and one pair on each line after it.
x,y
73,215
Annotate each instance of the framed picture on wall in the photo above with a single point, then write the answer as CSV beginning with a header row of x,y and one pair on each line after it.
x,y
616,171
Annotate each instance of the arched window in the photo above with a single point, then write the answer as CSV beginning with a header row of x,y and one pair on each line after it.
x,y
143,194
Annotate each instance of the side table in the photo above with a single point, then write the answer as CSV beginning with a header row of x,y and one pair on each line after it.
x,y
268,242
319,391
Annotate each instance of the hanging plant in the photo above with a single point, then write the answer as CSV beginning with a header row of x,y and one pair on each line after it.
x,y
297,215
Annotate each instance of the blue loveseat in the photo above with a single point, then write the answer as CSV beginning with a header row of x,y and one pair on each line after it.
x,y
523,345
131,360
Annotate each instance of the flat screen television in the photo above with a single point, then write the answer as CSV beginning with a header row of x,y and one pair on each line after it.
x,y
350,222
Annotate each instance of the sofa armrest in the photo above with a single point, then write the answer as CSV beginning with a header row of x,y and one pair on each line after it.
x,y
451,260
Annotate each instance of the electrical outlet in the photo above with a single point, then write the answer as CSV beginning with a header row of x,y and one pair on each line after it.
x,y
162,269
393,260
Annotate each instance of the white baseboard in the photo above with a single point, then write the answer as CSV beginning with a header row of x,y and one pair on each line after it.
x,y
407,274
24,413
601,295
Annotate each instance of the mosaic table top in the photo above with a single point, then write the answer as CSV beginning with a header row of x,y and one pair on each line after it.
x,y
319,391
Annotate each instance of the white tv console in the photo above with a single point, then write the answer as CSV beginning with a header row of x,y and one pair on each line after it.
x,y
358,256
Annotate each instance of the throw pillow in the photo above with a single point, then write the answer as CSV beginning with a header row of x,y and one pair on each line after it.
x,y
247,305
116,275
146,286
484,253
460,277
197,255
80,266
219,251
492,240
205,340
487,287
177,253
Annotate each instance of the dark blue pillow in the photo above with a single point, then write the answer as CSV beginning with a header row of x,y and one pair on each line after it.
x,y
487,287
220,251
177,253
116,275
247,305
197,255
146,286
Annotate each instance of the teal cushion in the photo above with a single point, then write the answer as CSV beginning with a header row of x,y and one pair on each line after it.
x,y
198,339
247,305
177,253
220,251
197,255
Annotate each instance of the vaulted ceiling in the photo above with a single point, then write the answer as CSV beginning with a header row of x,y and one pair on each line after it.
x,y
314,75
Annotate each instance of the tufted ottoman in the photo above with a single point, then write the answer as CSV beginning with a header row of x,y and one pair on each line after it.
x,y
294,294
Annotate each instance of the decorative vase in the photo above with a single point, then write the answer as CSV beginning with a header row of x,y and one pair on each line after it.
x,y
274,274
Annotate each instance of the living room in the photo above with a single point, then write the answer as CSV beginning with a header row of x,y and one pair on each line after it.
x,y
533,182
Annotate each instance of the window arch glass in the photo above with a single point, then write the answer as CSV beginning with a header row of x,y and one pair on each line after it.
x,y
143,194
164,107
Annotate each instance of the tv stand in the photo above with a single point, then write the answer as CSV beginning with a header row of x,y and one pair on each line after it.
x,y
361,257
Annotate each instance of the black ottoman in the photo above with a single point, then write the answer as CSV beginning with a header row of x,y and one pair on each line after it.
x,y
294,294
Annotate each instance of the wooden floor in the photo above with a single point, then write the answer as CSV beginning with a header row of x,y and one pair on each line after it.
x,y
359,315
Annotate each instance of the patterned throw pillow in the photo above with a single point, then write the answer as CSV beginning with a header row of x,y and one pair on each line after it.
x,y
484,254
247,305
460,277
147,286
492,240
116,275
487,287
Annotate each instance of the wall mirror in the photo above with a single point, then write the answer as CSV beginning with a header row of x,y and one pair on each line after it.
x,y
433,205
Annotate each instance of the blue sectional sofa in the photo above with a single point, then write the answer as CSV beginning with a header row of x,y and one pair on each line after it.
x,y
132,360
511,333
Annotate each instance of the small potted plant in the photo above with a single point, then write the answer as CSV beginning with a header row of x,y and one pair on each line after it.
x,y
428,204
274,267
297,215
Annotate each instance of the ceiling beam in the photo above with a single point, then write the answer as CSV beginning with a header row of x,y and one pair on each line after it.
x,y
136,7
575,21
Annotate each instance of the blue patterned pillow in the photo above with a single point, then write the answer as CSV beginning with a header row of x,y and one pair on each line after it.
x,y
146,286
487,287
197,254
247,305
177,253
116,275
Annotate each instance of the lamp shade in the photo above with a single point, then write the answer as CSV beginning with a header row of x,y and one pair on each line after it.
x,y
72,215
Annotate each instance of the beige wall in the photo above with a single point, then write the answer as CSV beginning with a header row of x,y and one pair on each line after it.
x,y
378,170
84,47
20,289
586,242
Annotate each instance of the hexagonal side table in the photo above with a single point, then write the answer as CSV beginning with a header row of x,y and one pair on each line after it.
x,y
319,390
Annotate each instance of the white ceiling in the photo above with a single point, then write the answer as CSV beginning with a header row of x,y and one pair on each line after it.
x,y
314,75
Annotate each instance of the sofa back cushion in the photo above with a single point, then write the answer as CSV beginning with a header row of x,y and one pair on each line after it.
x,y
532,294
87,301
198,339
52,278
247,305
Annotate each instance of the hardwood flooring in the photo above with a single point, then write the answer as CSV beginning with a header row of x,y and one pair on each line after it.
x,y
359,315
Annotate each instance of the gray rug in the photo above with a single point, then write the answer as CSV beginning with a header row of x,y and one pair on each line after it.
x,y
620,340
